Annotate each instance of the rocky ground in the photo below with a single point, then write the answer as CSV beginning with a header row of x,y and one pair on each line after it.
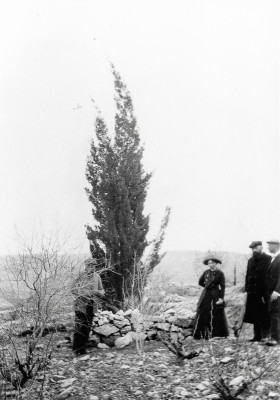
x,y
123,374
120,374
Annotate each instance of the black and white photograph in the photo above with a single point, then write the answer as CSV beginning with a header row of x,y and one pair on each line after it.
x,y
140,200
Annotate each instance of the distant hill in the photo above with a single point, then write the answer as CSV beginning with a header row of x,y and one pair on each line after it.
x,y
186,266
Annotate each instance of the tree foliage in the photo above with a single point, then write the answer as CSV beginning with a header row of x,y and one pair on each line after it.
x,y
118,190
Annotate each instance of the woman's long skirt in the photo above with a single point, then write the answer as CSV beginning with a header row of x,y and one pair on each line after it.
x,y
210,318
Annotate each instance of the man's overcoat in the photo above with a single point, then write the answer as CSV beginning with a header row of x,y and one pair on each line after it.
x,y
256,309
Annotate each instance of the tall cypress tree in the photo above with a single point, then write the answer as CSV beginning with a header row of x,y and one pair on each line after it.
x,y
118,190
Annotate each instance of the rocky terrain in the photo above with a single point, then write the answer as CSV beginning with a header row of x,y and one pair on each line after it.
x,y
116,374
117,368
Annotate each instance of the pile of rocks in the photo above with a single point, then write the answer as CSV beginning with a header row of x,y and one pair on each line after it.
x,y
122,328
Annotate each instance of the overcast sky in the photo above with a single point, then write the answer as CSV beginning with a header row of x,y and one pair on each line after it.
x,y
204,80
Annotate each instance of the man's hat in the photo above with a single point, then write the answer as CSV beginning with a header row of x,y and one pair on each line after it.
x,y
273,241
90,261
213,258
255,244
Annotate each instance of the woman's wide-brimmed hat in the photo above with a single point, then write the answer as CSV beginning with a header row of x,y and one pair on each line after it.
x,y
212,257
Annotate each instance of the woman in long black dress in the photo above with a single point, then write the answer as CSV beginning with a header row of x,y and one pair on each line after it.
x,y
210,317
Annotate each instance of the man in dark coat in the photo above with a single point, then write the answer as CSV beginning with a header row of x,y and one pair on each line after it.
x,y
256,312
87,288
272,285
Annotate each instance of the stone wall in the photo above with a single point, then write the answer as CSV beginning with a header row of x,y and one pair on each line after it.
x,y
122,328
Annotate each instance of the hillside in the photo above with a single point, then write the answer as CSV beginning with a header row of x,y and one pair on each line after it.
x,y
186,266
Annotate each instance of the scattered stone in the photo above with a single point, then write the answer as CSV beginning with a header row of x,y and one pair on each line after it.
x,y
102,321
102,346
66,393
237,381
110,340
122,323
200,386
106,330
67,382
126,329
184,322
84,358
58,377
163,326
123,341
226,360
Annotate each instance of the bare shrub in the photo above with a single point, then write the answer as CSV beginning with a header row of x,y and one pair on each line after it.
x,y
38,289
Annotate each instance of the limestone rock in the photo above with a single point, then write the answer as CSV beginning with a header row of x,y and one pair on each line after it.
x,y
106,330
102,320
122,323
236,381
123,341
84,358
187,332
163,326
103,346
66,393
175,328
67,382
126,329
110,340
183,322
226,360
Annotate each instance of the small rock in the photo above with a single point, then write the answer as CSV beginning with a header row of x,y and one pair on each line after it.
x,y
67,382
163,326
226,360
66,393
122,323
200,387
91,397
84,358
126,329
58,377
102,321
102,346
236,381
110,340
273,394
106,329
123,341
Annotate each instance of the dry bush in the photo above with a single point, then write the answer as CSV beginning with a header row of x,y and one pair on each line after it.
x,y
38,286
